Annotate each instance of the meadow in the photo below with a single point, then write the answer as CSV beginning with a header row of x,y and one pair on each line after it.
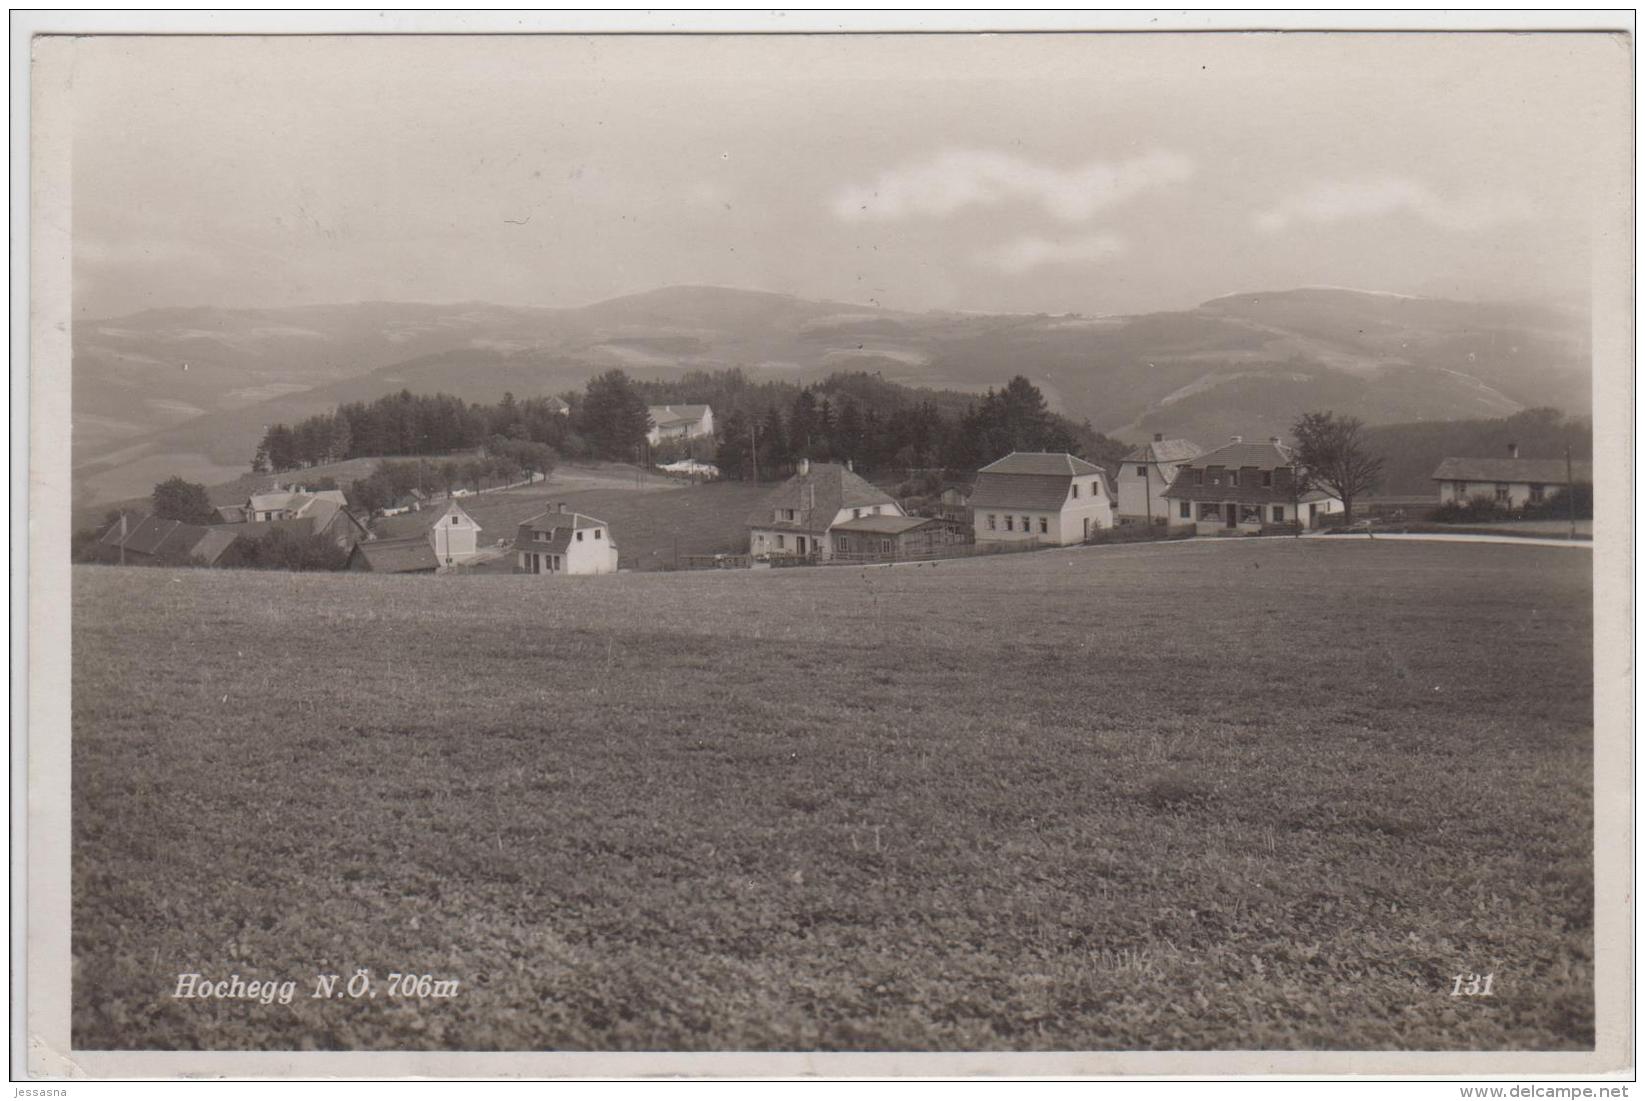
x,y
1231,794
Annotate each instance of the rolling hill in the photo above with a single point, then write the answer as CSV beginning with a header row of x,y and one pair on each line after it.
x,y
1244,363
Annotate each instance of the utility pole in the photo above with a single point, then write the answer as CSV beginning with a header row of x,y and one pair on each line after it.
x,y
122,537
754,449
1570,492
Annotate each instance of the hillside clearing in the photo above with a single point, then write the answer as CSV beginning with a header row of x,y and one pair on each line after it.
x,y
1274,794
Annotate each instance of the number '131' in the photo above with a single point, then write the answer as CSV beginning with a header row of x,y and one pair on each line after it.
x,y
1470,985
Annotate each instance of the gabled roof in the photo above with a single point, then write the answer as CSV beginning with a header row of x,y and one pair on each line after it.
x,y
153,537
212,545
1045,463
816,495
664,416
1539,471
1265,455
1041,492
1163,451
885,525
455,508
413,555
231,514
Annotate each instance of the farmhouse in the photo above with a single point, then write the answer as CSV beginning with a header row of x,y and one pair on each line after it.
x,y
320,515
892,538
1240,488
1040,497
151,541
1512,482
1145,474
565,542
414,555
679,422
288,504
796,520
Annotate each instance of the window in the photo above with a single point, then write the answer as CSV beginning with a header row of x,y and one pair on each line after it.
x,y
1279,514
885,546
1267,478
1199,477
597,532
1233,477
1185,510
1025,524
1502,493
1045,526
991,522
1076,488
1142,472
779,542
454,520
841,544
1008,523
1536,492
579,537
1094,488
856,514
1461,489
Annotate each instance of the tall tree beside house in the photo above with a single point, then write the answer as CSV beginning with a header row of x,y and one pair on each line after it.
x,y
175,499
772,444
1332,449
259,461
612,417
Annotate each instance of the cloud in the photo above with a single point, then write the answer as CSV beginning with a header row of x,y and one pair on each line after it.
x,y
1326,203
955,179
1024,254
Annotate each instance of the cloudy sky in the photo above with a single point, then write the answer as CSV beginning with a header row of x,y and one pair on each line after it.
x,y
1089,173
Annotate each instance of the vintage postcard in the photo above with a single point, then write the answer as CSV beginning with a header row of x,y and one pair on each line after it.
x,y
1062,549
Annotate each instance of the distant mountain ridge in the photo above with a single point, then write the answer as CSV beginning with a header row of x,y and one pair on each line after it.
x,y
1237,364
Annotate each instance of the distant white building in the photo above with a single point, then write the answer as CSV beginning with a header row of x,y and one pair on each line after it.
x,y
1040,497
455,536
1512,482
679,422
1145,474
560,542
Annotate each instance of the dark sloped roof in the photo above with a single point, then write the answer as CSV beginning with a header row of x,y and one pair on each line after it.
x,y
885,525
550,521
154,537
1264,455
817,497
231,514
212,545
1163,451
1059,463
1045,492
558,540
1540,471
398,555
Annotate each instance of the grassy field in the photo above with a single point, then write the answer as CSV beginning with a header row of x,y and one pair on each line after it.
x,y
649,520
1220,794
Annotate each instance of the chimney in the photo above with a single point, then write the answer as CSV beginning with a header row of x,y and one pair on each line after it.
x,y
1513,450
559,507
1159,437
805,467
1236,439
1274,440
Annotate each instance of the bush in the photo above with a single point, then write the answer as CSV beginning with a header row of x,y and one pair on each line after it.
x,y
1137,533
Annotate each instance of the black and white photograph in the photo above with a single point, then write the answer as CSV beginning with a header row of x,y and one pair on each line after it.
x,y
788,548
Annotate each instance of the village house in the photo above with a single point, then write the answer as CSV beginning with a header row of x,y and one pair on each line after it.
x,y
679,422
151,541
1510,482
796,520
287,504
1040,497
894,538
411,555
455,536
1241,488
324,514
557,405
1145,474
563,542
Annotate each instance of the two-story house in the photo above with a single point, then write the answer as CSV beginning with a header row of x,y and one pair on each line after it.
x,y
561,542
1240,488
1042,497
1145,474
797,518
679,422
455,536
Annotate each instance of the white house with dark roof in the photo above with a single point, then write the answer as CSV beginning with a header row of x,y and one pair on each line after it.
x,y
796,520
563,542
1240,488
1145,474
455,536
1512,482
1040,497
679,422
